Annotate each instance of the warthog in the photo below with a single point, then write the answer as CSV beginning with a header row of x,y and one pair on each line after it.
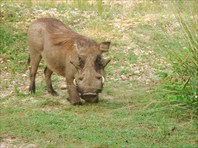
x,y
68,54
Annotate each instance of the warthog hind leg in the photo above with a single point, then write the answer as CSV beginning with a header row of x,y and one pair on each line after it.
x,y
48,74
33,62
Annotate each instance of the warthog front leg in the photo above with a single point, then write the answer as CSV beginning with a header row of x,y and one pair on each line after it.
x,y
48,74
74,97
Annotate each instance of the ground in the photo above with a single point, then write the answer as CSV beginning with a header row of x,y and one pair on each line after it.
x,y
132,112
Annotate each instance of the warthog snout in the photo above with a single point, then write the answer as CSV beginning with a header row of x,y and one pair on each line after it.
x,y
89,85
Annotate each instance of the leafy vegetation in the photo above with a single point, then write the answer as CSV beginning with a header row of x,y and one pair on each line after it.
x,y
152,75
183,81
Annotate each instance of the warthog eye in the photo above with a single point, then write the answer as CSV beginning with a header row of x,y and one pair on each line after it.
x,y
101,62
98,64
81,62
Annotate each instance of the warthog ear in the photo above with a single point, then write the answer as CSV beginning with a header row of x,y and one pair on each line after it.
x,y
104,46
104,62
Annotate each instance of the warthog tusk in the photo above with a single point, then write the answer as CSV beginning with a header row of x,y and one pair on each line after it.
x,y
74,81
103,80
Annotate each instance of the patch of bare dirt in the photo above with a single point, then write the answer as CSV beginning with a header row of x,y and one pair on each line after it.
x,y
10,142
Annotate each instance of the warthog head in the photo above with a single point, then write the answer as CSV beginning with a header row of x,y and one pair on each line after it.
x,y
90,65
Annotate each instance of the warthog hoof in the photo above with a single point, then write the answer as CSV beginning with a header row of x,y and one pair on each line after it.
x,y
74,103
53,93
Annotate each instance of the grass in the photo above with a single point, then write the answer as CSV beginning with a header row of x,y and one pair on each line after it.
x,y
184,58
110,123
131,112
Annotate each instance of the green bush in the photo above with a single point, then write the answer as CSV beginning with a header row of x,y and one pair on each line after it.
x,y
183,81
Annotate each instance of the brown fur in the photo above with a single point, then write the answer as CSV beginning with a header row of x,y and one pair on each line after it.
x,y
65,52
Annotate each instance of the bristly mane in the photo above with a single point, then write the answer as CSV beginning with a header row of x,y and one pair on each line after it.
x,y
60,34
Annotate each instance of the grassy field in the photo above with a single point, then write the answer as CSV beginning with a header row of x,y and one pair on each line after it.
x,y
132,112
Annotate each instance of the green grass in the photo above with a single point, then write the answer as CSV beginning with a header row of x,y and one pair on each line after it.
x,y
13,48
133,110
113,123
184,58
